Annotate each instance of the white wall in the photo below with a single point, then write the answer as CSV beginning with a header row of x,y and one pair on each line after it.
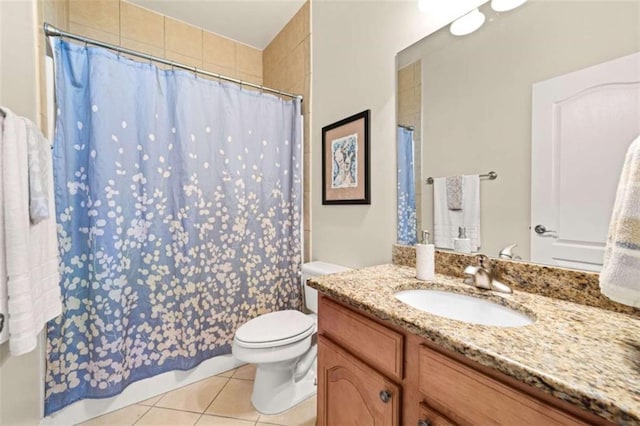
x,y
354,47
20,377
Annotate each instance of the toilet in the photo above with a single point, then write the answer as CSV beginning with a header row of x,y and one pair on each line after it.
x,y
280,344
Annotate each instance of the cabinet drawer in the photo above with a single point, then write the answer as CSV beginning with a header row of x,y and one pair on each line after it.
x,y
374,343
467,396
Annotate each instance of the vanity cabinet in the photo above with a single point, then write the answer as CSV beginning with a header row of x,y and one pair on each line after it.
x,y
371,372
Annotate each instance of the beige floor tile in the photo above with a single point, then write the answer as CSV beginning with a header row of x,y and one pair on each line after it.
x,y
124,416
234,401
195,397
207,420
227,373
162,416
246,372
303,414
152,400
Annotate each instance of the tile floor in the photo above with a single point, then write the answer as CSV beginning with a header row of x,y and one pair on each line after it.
x,y
220,400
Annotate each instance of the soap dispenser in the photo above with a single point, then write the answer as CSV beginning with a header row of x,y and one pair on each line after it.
x,y
425,259
462,244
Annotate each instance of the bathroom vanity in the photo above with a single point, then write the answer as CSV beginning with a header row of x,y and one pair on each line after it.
x,y
382,362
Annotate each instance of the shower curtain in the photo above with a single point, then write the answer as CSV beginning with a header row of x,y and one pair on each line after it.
x,y
178,203
406,189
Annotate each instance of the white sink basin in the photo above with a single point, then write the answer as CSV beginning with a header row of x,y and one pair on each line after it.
x,y
463,308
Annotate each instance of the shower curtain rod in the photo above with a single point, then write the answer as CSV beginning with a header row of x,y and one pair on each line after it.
x,y
51,31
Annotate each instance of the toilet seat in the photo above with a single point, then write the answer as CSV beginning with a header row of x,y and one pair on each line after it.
x,y
275,329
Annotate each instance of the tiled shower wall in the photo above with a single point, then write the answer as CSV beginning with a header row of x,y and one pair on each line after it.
x,y
410,114
284,64
287,67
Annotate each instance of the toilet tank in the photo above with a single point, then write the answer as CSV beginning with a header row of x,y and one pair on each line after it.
x,y
313,269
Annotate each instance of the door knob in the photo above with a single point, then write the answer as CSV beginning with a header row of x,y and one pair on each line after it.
x,y
385,396
542,230
424,422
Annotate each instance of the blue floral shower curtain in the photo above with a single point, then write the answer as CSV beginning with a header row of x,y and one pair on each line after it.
x,y
179,207
406,189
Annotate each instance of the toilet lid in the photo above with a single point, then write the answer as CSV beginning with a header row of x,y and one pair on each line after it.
x,y
275,329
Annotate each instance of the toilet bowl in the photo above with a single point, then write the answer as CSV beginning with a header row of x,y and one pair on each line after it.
x,y
282,345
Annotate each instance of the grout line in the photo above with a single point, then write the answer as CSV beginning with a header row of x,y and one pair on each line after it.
x,y
218,394
145,413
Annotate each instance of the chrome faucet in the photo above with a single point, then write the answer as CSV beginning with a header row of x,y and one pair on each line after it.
x,y
483,276
507,253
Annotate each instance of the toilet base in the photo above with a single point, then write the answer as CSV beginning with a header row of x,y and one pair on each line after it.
x,y
275,390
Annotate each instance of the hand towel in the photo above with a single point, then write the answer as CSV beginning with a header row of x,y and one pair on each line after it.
x,y
454,192
39,157
30,250
446,222
620,276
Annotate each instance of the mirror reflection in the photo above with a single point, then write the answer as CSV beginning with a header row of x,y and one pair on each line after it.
x,y
547,96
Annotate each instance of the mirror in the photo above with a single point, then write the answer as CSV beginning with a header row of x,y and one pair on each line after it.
x,y
469,101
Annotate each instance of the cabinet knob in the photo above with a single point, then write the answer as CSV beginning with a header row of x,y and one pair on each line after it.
x,y
385,396
424,422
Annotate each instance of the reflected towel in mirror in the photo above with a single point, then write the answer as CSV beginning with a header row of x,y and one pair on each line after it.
x,y
446,222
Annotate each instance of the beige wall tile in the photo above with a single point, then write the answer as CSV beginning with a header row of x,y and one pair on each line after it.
x,y
218,50
307,211
93,33
307,55
248,59
215,68
142,47
55,12
275,51
294,34
102,15
182,59
406,78
308,255
295,67
142,25
255,79
306,18
183,38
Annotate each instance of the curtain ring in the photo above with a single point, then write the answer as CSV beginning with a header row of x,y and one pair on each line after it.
x,y
173,69
195,72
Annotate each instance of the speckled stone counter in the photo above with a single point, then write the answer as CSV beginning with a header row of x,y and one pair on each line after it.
x,y
587,356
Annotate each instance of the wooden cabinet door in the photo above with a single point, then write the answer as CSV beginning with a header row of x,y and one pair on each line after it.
x,y
352,394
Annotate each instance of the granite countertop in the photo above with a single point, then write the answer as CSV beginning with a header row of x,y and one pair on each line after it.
x,y
587,356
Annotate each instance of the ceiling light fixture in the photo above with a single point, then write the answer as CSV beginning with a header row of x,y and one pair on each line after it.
x,y
468,23
505,5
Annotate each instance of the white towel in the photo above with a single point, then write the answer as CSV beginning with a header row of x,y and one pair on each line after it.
x,y
620,276
446,222
4,291
30,250
39,156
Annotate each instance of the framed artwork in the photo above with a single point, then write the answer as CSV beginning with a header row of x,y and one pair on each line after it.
x,y
345,161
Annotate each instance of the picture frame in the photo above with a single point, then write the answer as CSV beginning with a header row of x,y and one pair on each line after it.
x,y
345,161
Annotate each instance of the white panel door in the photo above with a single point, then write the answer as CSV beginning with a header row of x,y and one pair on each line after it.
x,y
582,125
